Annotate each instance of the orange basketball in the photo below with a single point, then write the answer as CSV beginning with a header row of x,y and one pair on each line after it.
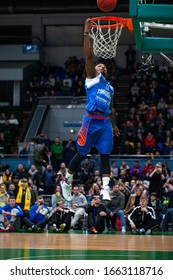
x,y
106,5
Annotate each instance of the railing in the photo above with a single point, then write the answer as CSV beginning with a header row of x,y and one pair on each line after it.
x,y
14,159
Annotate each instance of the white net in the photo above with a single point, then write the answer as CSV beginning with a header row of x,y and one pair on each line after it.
x,y
105,40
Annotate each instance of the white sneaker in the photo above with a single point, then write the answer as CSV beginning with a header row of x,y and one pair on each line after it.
x,y
123,230
66,192
69,178
148,231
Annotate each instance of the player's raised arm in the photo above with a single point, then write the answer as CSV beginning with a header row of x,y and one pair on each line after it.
x,y
89,57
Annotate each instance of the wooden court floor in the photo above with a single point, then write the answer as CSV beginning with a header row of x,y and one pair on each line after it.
x,y
79,246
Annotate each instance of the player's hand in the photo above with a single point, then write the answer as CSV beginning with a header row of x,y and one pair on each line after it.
x,y
87,25
116,131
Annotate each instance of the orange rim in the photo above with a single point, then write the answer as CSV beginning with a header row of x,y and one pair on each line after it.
x,y
120,21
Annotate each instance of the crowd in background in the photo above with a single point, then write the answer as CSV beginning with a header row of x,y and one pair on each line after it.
x,y
146,131
37,190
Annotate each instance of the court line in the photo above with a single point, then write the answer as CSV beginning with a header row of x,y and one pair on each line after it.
x,y
79,255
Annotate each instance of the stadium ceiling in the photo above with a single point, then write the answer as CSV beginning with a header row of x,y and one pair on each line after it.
x,y
62,6
55,6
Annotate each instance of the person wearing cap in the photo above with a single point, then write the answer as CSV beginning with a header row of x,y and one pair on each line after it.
x,y
142,219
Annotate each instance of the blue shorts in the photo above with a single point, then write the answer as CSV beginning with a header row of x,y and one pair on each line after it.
x,y
96,131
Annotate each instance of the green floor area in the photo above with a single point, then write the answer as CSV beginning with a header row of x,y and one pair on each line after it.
x,y
49,254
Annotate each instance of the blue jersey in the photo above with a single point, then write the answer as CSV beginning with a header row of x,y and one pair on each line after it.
x,y
38,217
7,208
99,93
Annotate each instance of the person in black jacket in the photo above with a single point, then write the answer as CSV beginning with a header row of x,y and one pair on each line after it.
x,y
169,212
61,217
157,180
142,219
97,214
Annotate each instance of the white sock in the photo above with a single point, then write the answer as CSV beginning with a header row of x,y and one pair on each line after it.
x,y
105,181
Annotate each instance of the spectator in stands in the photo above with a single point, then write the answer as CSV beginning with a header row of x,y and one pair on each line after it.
x,y
94,190
34,174
57,196
11,189
10,215
165,170
154,202
123,176
39,160
34,188
128,133
31,146
124,166
116,207
42,139
58,85
24,196
24,151
142,219
49,83
69,151
63,169
20,172
48,179
61,217
67,81
38,216
86,170
3,195
13,120
136,170
157,180
125,190
114,169
150,142
57,153
27,100
133,200
78,205
130,55
148,168
139,138
168,218
127,148
97,215
168,185
7,177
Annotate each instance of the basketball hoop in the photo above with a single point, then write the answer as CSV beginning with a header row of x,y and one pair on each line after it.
x,y
105,32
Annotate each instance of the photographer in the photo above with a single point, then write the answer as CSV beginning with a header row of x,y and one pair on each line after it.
x,y
61,217
38,216
157,180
